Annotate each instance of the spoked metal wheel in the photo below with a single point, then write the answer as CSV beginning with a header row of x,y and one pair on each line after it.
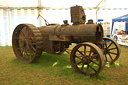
x,y
87,58
111,50
27,42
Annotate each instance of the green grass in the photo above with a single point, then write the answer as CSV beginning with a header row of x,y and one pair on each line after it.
x,y
56,70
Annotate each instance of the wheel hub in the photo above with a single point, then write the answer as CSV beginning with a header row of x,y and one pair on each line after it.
x,y
106,51
26,44
85,60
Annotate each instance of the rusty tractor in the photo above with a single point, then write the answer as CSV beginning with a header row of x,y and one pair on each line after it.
x,y
89,55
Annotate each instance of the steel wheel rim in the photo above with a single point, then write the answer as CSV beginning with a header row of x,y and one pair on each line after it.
x,y
111,50
25,44
90,63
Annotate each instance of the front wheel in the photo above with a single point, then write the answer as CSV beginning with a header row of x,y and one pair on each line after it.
x,y
87,58
111,50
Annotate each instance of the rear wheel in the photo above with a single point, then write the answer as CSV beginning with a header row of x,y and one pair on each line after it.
x,y
27,43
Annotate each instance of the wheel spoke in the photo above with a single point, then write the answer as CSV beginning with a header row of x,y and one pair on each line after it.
x,y
82,67
94,56
80,52
29,34
33,48
94,62
84,50
106,57
79,63
31,51
106,44
91,67
110,45
110,56
90,52
78,57
113,53
23,34
112,48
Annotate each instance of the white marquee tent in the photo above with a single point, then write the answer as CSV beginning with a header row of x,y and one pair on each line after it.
x,y
14,12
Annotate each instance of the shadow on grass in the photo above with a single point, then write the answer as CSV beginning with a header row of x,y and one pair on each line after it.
x,y
47,60
55,64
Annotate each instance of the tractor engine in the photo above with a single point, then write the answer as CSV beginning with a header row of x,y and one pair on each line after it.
x,y
58,37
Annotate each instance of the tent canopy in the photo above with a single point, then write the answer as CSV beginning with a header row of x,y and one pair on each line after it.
x,y
64,3
18,3
119,19
48,3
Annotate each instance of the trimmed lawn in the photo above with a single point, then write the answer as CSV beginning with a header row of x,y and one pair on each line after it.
x,y
56,70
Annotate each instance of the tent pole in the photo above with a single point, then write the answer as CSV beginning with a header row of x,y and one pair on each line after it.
x,y
9,28
97,15
40,12
97,8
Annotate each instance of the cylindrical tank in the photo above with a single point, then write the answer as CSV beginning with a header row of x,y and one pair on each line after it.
x,y
84,32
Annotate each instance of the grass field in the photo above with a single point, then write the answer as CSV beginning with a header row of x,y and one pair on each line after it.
x,y
56,70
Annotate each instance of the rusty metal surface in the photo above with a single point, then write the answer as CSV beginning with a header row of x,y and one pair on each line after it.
x,y
27,43
77,15
85,32
90,21
59,38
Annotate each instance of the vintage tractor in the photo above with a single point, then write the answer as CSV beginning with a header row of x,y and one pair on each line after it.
x,y
87,57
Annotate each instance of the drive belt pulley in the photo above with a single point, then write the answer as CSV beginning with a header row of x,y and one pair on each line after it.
x,y
27,42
